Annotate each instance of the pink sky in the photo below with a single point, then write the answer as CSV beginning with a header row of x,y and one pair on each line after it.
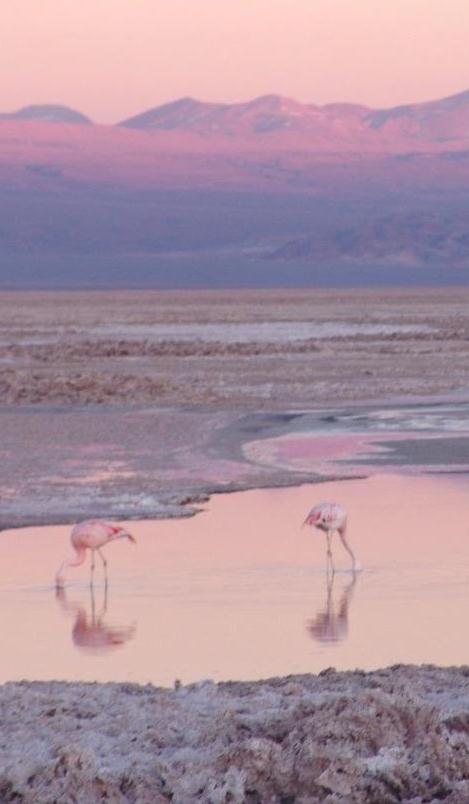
x,y
114,58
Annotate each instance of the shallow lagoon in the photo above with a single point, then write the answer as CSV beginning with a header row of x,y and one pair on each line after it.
x,y
241,592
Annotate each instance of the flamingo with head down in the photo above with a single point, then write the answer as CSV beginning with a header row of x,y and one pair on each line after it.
x,y
330,517
91,535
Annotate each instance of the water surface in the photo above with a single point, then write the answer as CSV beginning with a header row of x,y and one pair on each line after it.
x,y
240,591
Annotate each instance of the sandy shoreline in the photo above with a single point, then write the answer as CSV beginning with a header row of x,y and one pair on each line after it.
x,y
62,464
394,735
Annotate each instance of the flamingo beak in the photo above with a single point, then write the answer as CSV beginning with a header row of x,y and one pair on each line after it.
x,y
124,535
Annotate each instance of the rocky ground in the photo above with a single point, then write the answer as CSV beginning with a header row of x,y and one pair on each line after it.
x,y
395,735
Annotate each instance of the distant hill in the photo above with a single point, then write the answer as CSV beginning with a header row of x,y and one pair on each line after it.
x,y
260,116
338,123
47,113
269,191
441,120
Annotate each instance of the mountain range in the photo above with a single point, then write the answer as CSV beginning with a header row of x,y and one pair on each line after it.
x,y
333,125
270,183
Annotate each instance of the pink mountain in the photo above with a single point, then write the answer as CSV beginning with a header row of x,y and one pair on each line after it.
x,y
268,177
281,120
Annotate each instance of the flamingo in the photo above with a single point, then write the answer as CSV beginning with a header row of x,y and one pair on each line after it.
x,y
329,517
90,535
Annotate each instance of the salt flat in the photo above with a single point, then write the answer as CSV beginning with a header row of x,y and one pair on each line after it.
x,y
253,349
126,404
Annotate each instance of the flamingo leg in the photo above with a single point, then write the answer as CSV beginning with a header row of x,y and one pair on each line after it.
x,y
92,568
102,557
330,586
330,560
93,604
104,566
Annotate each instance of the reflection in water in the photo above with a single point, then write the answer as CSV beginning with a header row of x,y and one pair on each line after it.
x,y
331,623
89,632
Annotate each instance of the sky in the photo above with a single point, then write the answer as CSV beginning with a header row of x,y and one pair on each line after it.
x,y
114,58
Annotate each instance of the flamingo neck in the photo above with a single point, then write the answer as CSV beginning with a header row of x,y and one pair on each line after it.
x,y
70,562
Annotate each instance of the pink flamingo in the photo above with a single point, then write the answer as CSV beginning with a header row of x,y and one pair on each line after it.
x,y
329,517
91,535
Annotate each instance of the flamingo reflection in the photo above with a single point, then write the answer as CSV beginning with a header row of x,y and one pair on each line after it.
x,y
331,622
90,633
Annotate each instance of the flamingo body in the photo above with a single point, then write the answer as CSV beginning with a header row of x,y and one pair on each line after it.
x,y
328,517
90,535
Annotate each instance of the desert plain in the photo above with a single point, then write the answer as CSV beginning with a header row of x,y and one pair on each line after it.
x,y
232,349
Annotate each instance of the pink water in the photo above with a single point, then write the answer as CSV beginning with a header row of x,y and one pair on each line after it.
x,y
240,591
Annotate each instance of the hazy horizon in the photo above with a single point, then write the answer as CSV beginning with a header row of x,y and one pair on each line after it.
x,y
117,58
222,101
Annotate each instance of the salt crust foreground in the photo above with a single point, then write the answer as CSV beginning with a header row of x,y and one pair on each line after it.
x,y
400,734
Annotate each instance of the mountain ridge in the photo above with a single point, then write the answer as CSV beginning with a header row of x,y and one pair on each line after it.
x,y
446,118
273,116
